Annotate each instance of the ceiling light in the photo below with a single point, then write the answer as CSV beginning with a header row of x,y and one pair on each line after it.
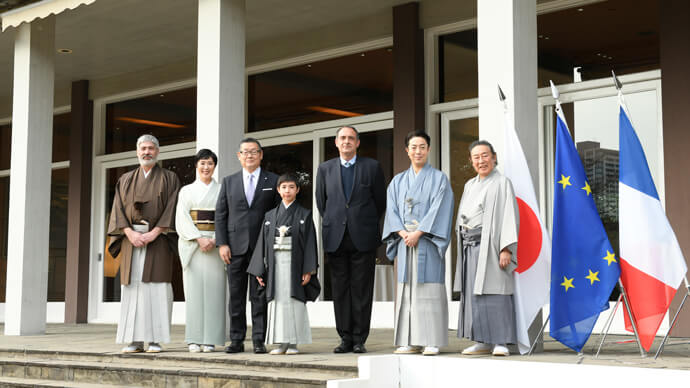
x,y
580,9
149,122
361,55
161,95
64,51
333,111
308,65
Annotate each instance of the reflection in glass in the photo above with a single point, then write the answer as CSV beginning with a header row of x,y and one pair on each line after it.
x,y
57,245
5,146
375,145
57,254
61,131
170,116
4,217
594,124
462,133
335,88
295,158
457,57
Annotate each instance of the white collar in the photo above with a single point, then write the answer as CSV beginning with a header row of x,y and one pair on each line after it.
x,y
246,174
146,173
289,204
351,161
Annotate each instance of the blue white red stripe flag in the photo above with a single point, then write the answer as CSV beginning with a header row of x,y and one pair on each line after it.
x,y
652,264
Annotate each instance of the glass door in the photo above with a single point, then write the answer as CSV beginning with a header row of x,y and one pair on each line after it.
x,y
459,129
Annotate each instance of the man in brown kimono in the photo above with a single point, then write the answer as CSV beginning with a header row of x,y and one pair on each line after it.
x,y
143,212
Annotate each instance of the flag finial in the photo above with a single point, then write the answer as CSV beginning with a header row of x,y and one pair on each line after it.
x,y
501,96
616,81
554,91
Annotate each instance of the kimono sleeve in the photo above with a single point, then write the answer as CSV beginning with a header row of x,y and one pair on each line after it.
x,y
310,261
171,188
393,222
184,226
510,224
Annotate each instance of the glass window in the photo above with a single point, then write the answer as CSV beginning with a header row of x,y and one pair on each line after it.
x,y
457,58
57,248
594,125
57,256
295,158
462,133
4,217
347,86
61,131
5,146
375,145
170,116
618,37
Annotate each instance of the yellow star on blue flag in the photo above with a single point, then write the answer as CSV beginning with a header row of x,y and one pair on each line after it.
x,y
579,245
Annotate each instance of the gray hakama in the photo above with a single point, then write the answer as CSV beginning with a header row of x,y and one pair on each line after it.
x,y
421,309
146,307
288,321
483,318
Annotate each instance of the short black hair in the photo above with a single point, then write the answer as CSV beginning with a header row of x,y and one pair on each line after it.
x,y
417,133
205,153
288,177
348,126
249,140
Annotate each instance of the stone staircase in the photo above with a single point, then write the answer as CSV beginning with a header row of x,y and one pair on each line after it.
x,y
38,368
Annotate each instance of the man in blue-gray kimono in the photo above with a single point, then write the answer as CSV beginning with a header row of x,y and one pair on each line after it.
x,y
417,229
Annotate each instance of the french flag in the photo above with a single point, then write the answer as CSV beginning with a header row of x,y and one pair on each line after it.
x,y
652,264
533,274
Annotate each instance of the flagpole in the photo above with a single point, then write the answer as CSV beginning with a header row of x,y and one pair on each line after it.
x,y
608,323
541,332
626,303
675,317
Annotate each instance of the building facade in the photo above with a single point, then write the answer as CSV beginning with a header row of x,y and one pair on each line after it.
x,y
81,80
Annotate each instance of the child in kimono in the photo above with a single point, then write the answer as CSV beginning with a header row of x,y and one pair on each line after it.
x,y
284,262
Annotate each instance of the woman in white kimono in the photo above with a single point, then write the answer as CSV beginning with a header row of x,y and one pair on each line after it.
x,y
203,271
417,231
487,228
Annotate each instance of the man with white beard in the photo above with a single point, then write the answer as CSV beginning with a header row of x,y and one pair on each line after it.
x,y
143,212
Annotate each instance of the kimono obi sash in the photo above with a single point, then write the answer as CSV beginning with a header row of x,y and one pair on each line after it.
x,y
471,237
283,243
203,218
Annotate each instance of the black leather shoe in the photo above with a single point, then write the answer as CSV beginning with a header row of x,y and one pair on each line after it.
x,y
359,348
235,347
344,347
259,347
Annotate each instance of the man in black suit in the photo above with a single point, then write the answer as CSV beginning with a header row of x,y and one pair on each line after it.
x,y
244,199
351,197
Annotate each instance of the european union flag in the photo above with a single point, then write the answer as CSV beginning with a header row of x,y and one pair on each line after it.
x,y
584,269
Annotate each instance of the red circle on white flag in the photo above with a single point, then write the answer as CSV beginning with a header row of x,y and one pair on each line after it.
x,y
529,237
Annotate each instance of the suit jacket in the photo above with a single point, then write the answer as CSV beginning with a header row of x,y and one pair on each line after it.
x,y
237,223
361,214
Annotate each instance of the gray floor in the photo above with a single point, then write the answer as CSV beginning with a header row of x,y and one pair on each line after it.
x,y
100,339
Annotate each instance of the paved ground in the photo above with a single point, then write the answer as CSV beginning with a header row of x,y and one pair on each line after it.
x,y
95,338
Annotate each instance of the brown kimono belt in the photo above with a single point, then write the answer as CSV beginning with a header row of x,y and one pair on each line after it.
x,y
203,219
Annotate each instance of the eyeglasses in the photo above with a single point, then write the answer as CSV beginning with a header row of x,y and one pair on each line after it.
x,y
250,152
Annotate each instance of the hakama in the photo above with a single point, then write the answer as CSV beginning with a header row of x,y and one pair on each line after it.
x,y
146,307
421,310
288,321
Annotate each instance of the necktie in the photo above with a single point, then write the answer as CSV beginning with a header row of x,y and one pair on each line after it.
x,y
249,190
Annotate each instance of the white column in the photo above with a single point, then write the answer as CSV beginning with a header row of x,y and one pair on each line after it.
x,y
507,51
32,140
221,80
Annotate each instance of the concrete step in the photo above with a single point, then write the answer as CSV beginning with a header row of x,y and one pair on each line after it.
x,y
18,382
165,370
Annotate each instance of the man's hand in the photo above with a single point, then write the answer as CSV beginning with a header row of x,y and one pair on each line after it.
x,y
151,235
305,278
206,244
504,258
403,234
412,238
135,238
225,253
260,280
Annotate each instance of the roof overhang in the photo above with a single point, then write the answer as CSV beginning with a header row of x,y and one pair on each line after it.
x,y
39,10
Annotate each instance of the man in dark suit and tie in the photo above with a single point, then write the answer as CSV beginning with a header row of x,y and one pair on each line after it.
x,y
351,197
243,200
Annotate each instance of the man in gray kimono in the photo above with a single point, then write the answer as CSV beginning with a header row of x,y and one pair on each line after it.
x,y
487,227
417,229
